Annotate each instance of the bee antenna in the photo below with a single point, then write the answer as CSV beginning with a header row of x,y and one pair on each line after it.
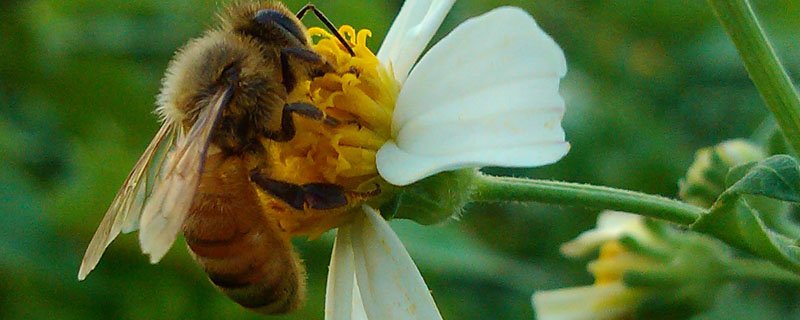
x,y
327,22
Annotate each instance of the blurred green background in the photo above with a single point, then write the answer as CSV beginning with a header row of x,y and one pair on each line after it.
x,y
648,84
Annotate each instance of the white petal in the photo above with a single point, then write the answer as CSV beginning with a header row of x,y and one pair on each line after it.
x,y
401,168
614,219
611,225
507,126
339,294
486,95
597,302
501,47
587,242
410,33
389,283
358,305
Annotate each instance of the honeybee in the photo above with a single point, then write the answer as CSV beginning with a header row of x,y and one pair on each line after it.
x,y
222,95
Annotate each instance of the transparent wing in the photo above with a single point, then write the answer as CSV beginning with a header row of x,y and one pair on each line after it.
x,y
172,196
159,190
126,208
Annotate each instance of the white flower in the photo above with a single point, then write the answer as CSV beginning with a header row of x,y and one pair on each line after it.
x,y
485,95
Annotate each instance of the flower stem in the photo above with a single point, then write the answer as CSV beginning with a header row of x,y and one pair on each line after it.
x,y
750,269
491,188
762,64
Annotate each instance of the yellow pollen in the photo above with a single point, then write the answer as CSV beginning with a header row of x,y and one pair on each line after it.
x,y
359,93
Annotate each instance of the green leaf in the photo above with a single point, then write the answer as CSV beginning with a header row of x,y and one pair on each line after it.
x,y
738,216
738,172
777,177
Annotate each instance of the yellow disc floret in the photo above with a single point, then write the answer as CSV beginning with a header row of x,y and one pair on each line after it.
x,y
615,260
361,95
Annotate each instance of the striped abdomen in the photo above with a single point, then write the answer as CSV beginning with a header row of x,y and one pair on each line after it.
x,y
243,252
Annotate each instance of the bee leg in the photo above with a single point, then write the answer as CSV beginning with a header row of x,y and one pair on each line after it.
x,y
310,58
287,130
290,193
323,196
319,196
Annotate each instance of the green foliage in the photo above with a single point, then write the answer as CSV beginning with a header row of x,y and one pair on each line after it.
x,y
738,216
687,283
684,275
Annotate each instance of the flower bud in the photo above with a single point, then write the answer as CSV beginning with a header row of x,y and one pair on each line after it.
x,y
705,179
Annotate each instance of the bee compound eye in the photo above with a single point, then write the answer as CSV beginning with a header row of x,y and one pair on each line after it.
x,y
273,18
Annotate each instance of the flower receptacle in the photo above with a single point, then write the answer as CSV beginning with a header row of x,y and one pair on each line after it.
x,y
431,200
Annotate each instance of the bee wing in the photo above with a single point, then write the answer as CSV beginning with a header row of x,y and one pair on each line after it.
x,y
172,195
124,211
159,190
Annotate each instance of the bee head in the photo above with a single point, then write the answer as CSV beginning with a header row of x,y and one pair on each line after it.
x,y
270,23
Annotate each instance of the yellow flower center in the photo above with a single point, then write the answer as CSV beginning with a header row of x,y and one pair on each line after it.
x,y
614,260
361,94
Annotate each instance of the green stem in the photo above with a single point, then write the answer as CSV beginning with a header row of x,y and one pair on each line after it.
x,y
749,269
490,189
762,64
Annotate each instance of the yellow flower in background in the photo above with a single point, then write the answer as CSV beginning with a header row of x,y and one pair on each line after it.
x,y
608,298
644,268
611,225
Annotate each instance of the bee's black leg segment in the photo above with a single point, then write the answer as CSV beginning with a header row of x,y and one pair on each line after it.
x,y
319,196
306,110
327,22
290,193
309,111
304,54
309,56
323,196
